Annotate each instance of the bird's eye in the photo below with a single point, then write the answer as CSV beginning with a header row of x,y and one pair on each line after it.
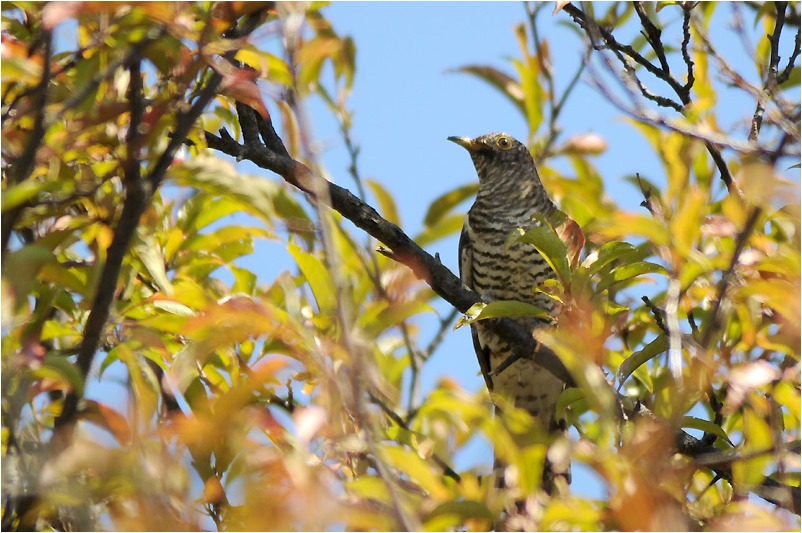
x,y
504,143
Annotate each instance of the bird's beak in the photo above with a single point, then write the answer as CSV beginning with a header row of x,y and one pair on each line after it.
x,y
466,142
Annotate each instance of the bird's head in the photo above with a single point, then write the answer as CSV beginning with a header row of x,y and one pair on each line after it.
x,y
498,156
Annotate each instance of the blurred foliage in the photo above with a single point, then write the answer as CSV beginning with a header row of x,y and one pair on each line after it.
x,y
295,403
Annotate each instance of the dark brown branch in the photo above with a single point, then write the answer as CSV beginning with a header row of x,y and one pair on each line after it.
x,y
133,206
23,166
657,313
686,41
707,456
622,51
652,34
273,156
770,84
592,28
786,73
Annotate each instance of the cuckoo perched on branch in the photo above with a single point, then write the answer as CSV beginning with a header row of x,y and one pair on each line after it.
x,y
499,267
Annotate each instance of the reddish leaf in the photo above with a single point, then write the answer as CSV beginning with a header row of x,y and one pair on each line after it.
x,y
109,419
573,237
241,86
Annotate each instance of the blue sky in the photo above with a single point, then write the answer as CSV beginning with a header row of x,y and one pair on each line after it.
x,y
407,103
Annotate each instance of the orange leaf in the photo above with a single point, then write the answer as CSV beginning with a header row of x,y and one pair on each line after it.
x,y
213,491
571,234
241,86
109,419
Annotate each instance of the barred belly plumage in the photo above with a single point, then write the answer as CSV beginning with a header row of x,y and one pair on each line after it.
x,y
507,270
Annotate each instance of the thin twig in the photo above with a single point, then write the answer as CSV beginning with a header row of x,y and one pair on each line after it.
x,y
622,53
657,313
686,41
740,243
653,36
770,84
395,417
786,73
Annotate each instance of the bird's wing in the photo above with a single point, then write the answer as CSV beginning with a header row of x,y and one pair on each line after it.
x,y
466,275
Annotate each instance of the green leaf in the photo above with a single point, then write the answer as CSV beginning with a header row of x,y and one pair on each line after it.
x,y
462,510
634,361
443,204
153,260
506,84
144,382
208,209
418,469
551,247
174,308
757,438
706,426
443,228
629,272
244,280
568,397
387,205
500,309
59,368
392,316
605,255
318,277
258,196
19,194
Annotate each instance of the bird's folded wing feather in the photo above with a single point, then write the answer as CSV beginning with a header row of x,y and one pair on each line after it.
x,y
466,275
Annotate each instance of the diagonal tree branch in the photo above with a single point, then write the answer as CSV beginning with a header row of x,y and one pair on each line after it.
x,y
272,155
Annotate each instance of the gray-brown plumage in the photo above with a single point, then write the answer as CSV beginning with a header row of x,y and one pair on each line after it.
x,y
499,268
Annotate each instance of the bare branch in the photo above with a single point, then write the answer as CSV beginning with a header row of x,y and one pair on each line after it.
x,y
771,83
686,41
592,28
657,313
786,73
652,34
395,417
272,156
133,206
622,52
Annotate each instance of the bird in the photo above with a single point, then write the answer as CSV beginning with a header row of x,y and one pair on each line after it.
x,y
498,267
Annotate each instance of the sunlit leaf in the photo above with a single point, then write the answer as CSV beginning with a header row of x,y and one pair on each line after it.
x,y
387,205
505,83
109,419
149,254
551,247
62,370
706,426
318,277
499,309
443,204
641,357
